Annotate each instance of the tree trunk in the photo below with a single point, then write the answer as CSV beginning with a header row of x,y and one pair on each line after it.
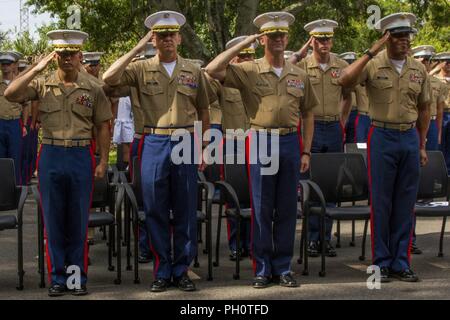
x,y
245,15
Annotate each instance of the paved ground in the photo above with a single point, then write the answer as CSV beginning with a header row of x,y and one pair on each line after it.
x,y
346,275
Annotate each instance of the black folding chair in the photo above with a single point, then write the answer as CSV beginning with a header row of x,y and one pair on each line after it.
x,y
433,185
235,192
12,197
337,178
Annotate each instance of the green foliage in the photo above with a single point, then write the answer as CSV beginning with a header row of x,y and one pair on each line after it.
x,y
115,26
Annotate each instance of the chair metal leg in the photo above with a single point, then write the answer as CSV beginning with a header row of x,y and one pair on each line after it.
x,y
110,248
219,227
118,280
302,240
352,243
441,240
20,257
200,233
305,245
236,275
322,272
41,250
338,234
103,230
363,245
128,238
209,247
137,280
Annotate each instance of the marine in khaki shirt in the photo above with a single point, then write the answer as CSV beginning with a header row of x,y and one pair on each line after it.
x,y
168,102
69,113
326,86
393,97
8,110
399,94
272,101
275,93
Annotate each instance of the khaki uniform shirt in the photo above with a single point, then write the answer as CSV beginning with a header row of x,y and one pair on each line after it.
x,y
69,112
394,97
446,92
362,101
234,115
168,102
8,110
138,114
272,101
438,94
325,84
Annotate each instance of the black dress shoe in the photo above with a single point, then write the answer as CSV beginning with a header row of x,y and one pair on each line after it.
x,y
405,275
385,275
415,249
82,291
330,251
261,282
286,280
184,283
56,290
144,259
159,285
313,249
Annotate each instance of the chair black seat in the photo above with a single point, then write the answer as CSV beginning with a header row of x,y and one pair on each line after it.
x,y
345,213
245,213
438,211
8,222
99,219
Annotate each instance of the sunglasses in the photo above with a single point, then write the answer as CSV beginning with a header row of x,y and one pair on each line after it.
x,y
322,40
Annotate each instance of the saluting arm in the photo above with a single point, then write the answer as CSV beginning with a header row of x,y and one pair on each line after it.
x,y
114,73
217,68
16,91
302,53
349,76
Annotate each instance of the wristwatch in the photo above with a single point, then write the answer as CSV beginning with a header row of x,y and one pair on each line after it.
x,y
370,54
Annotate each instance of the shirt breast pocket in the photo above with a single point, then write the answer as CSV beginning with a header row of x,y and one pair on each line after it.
x,y
82,117
413,93
382,91
233,105
263,94
50,114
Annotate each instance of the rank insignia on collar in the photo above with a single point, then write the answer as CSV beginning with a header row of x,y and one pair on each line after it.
x,y
188,80
85,100
336,73
295,83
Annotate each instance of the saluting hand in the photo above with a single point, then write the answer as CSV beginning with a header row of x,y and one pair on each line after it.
x,y
378,46
43,63
303,52
147,38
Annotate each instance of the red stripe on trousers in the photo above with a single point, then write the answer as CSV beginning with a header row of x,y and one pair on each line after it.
x,y
369,139
356,127
247,153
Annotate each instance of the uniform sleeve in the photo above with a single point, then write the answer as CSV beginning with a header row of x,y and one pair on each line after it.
x,y
364,76
425,94
35,90
442,93
202,101
236,76
130,75
210,90
302,64
102,111
310,98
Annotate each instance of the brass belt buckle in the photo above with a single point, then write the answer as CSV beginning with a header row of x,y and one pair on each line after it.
x,y
404,127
